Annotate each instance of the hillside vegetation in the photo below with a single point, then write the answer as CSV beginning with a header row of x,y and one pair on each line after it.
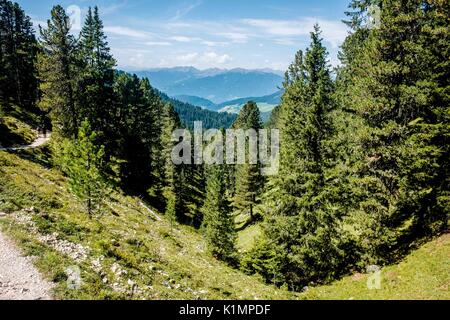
x,y
190,113
123,252
17,127
127,251
423,275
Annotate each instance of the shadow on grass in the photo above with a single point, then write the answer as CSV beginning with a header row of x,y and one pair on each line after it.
x,y
41,156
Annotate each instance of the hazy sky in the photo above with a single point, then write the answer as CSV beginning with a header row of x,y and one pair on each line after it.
x,y
208,33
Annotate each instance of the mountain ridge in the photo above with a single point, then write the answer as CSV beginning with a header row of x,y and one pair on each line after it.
x,y
274,98
216,85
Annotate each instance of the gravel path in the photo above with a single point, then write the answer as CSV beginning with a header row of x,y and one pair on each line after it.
x,y
36,143
19,279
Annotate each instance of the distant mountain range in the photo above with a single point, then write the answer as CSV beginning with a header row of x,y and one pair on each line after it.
x,y
189,113
266,103
270,101
197,101
207,88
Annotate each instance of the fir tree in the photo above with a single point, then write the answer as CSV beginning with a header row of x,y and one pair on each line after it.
x,y
18,50
396,88
300,232
83,160
95,85
151,130
248,179
129,133
57,67
218,221
172,186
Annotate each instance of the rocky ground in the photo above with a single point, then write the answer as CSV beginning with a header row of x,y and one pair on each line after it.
x,y
19,279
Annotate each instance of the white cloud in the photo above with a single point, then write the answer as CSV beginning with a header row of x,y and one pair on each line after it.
x,y
333,31
138,60
215,43
285,42
206,59
210,43
128,32
158,43
177,25
188,58
136,57
184,11
182,39
235,37
210,57
111,8
281,66
234,31
278,27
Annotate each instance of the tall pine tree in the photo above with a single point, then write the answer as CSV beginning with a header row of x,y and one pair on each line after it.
x,y
18,50
83,162
247,177
300,233
173,178
397,84
95,84
218,221
58,73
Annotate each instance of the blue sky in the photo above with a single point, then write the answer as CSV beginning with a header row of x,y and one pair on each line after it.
x,y
208,33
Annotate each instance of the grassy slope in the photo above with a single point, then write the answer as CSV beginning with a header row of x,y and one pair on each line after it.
x,y
423,275
15,128
247,237
129,254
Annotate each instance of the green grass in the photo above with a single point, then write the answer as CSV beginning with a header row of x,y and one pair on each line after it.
x,y
130,255
423,275
15,128
247,237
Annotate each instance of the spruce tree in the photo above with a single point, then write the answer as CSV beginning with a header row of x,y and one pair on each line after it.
x,y
135,137
218,221
247,177
129,133
18,50
151,131
83,161
95,85
173,179
300,233
58,72
396,87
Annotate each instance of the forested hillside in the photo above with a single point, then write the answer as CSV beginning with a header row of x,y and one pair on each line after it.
x,y
364,166
189,113
363,179
197,101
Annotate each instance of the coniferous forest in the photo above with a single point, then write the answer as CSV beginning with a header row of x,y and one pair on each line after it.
x,y
364,152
